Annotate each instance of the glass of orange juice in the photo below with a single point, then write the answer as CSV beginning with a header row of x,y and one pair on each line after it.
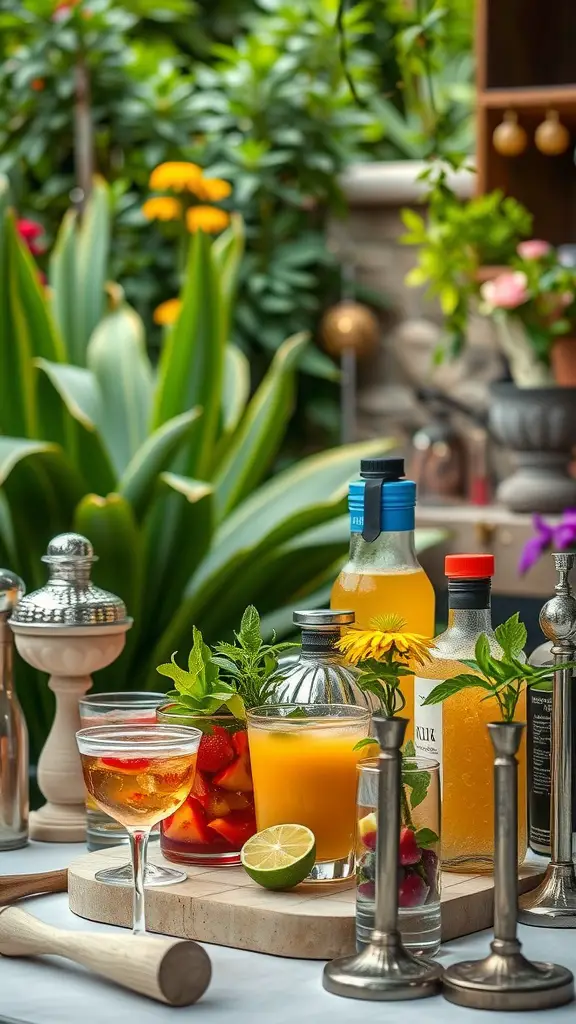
x,y
304,772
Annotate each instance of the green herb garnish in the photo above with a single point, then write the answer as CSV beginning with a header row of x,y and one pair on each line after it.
x,y
502,678
250,664
200,690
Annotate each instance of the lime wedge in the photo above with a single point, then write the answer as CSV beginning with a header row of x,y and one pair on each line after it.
x,y
281,856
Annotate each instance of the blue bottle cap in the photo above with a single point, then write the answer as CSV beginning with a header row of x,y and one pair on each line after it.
x,y
382,501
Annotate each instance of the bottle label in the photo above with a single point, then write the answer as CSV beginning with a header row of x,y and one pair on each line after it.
x,y
427,722
539,777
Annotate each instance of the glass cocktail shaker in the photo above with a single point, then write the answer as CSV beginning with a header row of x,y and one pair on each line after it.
x,y
13,732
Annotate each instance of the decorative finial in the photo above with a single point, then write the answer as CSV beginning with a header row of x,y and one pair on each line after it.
x,y
558,616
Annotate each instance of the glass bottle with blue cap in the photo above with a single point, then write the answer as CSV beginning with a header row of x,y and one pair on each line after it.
x,y
383,574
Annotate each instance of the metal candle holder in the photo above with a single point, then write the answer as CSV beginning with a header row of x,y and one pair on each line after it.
x,y
505,979
385,969
553,903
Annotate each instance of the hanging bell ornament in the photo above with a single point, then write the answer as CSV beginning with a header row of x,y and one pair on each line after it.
x,y
349,325
552,137
509,138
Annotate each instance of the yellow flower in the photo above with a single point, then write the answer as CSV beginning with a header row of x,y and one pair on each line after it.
x,y
212,189
176,174
207,218
167,312
162,208
388,635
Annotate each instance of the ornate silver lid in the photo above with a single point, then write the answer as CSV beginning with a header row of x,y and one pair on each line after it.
x,y
323,617
69,598
12,590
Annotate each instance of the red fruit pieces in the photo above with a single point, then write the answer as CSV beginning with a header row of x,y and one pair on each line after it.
x,y
412,891
188,824
236,828
236,777
201,788
127,764
216,750
410,852
240,743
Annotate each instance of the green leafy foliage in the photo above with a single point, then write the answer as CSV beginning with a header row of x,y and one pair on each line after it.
x,y
80,448
455,240
502,679
200,689
249,662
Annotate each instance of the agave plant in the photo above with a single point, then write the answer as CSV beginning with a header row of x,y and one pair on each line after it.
x,y
165,470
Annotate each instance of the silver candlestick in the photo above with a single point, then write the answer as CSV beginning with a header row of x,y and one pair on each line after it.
x,y
553,903
505,979
384,969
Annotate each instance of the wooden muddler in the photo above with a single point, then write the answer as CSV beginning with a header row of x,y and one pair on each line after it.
x,y
15,887
173,971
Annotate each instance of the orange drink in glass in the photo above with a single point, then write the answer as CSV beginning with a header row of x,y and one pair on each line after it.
x,y
304,772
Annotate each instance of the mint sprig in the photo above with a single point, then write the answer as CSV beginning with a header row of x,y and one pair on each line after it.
x,y
200,690
250,664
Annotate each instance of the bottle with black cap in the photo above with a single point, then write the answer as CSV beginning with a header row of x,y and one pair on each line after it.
x,y
383,575
455,733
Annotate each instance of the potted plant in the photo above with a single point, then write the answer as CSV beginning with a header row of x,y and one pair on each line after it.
x,y
531,297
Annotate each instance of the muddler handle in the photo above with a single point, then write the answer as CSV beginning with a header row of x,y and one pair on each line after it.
x,y
173,971
14,887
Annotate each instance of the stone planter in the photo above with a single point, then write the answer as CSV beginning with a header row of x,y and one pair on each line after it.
x,y
538,425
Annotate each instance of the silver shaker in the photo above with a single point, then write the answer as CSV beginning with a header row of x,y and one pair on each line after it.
x,y
13,732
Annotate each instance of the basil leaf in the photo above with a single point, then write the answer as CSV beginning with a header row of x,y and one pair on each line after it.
x,y
451,686
425,838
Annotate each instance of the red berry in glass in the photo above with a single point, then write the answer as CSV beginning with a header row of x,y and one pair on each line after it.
x,y
218,815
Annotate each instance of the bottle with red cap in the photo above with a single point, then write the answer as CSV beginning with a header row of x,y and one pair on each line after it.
x,y
455,734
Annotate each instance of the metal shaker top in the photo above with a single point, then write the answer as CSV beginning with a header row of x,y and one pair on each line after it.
x,y
318,617
12,590
69,598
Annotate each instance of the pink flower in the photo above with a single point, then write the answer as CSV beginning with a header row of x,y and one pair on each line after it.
x,y
533,249
507,291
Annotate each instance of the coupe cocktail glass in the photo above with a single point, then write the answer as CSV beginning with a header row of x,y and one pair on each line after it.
x,y
129,707
139,775
304,771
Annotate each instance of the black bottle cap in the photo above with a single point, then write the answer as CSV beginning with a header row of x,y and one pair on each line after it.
x,y
382,469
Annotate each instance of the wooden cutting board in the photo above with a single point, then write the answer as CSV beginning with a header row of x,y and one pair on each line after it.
x,y
224,906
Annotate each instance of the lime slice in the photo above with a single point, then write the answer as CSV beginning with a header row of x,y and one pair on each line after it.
x,y
281,856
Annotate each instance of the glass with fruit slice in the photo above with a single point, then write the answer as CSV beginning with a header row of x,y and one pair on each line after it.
x,y
218,816
129,707
304,759
419,853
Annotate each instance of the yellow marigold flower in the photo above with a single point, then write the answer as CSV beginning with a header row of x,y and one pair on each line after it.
x,y
212,189
167,312
207,218
175,174
388,635
162,208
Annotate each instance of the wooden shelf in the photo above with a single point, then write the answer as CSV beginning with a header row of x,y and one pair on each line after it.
x,y
540,97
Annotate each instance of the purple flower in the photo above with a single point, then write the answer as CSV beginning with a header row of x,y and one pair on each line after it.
x,y
537,544
560,537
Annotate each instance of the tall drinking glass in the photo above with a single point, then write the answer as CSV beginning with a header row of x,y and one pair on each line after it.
x,y
139,775
419,854
304,773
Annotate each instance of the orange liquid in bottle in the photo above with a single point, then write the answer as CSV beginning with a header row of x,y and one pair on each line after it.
x,y
404,592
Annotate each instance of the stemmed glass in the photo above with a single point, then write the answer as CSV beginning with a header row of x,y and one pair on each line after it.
x,y
139,776
128,707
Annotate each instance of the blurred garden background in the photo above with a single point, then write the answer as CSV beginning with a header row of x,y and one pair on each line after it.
x,y
244,243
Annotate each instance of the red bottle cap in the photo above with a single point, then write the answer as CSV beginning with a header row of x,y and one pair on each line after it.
x,y
469,567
